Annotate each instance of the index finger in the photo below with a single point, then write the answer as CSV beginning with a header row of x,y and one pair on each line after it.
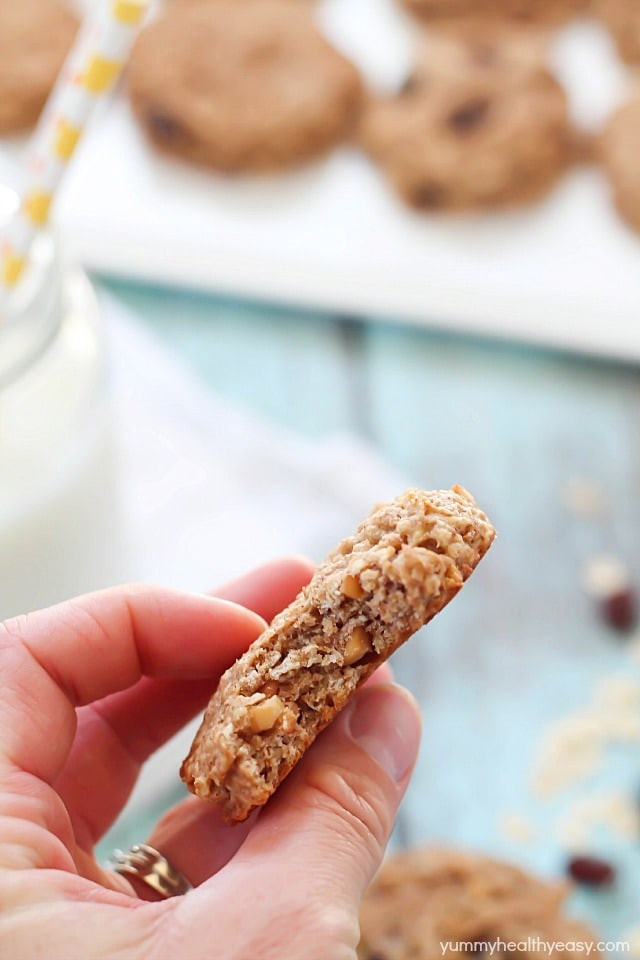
x,y
79,651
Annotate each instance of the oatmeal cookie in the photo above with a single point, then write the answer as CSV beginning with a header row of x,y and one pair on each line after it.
x,y
248,86
423,898
538,11
401,567
481,123
617,150
35,37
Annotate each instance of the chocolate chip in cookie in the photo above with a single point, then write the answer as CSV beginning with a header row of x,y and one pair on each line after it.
x,y
469,115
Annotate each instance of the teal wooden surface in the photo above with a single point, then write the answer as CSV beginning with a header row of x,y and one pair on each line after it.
x,y
522,647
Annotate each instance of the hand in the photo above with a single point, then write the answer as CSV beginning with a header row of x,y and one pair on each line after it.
x,y
90,689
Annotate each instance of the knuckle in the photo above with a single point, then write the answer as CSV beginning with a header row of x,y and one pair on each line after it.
x,y
15,629
355,800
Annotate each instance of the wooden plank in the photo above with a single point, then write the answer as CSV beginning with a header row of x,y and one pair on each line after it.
x,y
285,365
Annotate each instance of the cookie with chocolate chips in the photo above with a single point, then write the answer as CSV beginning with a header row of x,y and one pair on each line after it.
x,y
480,124
35,36
248,86
538,11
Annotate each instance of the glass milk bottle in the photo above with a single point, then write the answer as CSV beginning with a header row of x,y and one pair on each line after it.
x,y
58,504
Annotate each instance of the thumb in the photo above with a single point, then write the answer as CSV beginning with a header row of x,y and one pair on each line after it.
x,y
332,818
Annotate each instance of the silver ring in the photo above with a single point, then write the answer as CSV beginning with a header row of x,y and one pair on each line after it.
x,y
146,864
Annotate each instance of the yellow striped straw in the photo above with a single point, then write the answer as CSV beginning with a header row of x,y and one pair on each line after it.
x,y
88,76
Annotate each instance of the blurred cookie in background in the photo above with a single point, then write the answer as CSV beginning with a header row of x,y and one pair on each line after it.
x,y
248,86
622,17
547,11
35,36
618,149
423,899
480,124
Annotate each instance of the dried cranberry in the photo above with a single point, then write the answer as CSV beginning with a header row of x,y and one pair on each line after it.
x,y
619,610
410,85
428,196
164,125
591,871
469,115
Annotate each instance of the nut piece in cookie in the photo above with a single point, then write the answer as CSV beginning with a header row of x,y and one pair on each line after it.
x,y
35,36
242,86
422,898
482,124
617,151
400,568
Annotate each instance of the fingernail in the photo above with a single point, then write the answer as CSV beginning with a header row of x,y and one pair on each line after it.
x,y
384,721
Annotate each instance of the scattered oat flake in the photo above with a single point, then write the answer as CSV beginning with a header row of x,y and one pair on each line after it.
x,y
621,728
518,827
621,813
573,831
567,757
573,747
616,811
632,937
604,575
618,690
583,497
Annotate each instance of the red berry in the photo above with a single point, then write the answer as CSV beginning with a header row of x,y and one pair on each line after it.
x,y
591,871
619,610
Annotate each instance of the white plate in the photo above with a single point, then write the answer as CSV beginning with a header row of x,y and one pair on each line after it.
x,y
333,236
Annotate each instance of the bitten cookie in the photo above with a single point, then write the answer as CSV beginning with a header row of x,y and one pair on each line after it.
x,y
248,86
423,898
622,17
617,150
539,11
401,567
481,123
35,36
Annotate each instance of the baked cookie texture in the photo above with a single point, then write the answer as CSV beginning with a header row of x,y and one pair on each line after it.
x,y
539,11
480,124
424,897
617,150
35,37
242,86
622,17
400,568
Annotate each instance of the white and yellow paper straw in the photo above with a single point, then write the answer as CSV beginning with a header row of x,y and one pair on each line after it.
x,y
88,76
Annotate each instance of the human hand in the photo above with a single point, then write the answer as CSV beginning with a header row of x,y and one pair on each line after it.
x,y
93,687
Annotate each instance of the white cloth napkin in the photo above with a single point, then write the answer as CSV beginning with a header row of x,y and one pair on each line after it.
x,y
206,492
